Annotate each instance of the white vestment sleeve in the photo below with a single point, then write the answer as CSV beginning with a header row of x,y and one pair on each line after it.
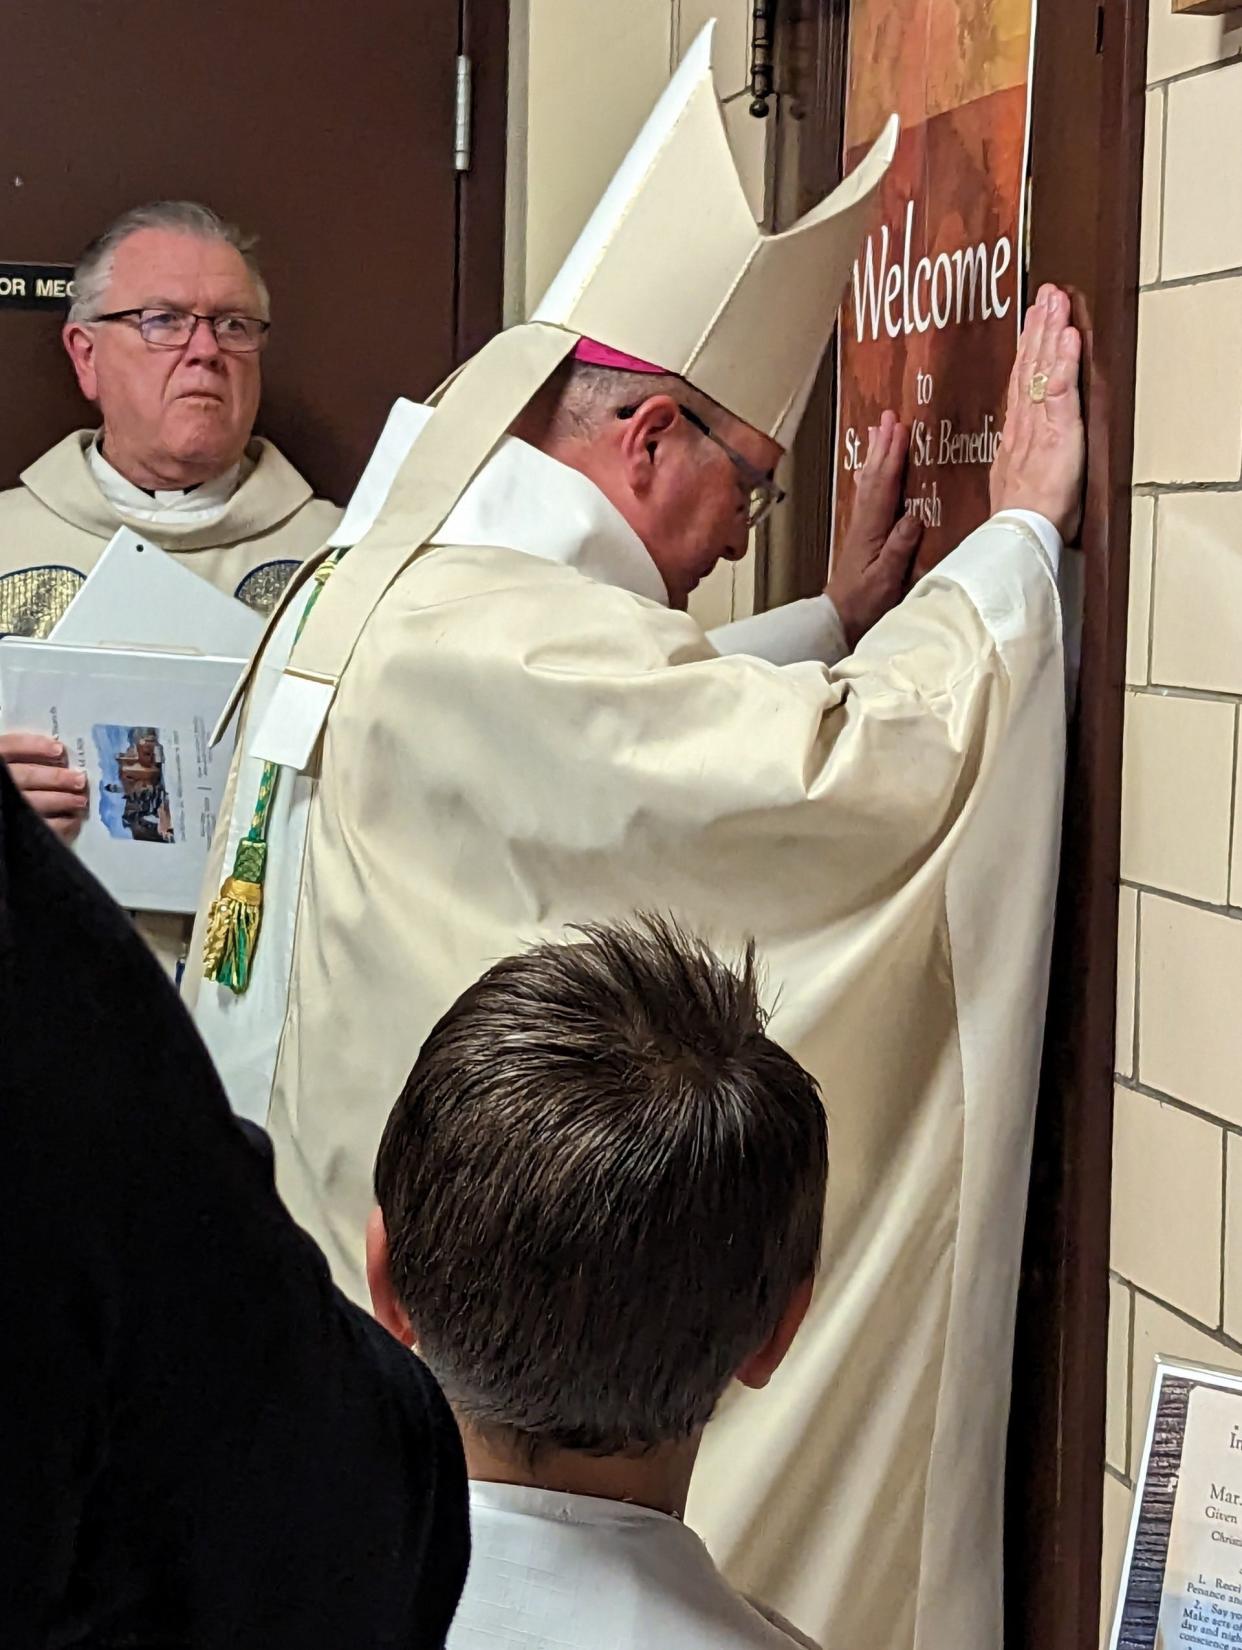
x,y
975,566
799,632
811,630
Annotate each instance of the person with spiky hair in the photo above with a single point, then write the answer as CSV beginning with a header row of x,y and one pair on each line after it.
x,y
600,1202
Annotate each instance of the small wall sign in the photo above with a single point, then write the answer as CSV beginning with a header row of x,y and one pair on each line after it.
x,y
36,286
1181,1584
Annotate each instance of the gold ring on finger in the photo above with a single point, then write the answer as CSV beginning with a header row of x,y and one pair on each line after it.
x,y
1039,387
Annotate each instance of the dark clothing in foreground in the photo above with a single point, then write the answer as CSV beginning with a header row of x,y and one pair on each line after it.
x,y
202,1442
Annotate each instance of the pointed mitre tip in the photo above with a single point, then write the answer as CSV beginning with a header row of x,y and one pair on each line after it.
x,y
699,52
857,184
889,137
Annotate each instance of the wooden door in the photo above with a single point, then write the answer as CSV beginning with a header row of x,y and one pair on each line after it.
x,y
1085,175
328,131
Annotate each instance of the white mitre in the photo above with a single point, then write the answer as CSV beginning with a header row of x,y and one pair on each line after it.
x,y
672,269
670,274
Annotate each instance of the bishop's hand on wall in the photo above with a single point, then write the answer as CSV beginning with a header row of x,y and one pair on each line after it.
x,y
1042,455
871,563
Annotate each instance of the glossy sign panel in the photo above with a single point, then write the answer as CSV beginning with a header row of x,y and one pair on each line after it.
x,y
934,307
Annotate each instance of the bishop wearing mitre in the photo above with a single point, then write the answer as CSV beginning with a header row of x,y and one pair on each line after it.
x,y
484,716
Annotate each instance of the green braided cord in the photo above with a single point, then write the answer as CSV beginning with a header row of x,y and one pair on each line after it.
x,y
256,836
235,917
251,860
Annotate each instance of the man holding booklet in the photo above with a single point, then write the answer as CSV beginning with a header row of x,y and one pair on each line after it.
x,y
166,335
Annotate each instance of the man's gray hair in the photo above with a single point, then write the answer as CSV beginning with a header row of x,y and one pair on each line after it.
x,y
590,396
94,268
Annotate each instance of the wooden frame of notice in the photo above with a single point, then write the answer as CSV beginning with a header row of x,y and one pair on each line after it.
x,y
1186,1521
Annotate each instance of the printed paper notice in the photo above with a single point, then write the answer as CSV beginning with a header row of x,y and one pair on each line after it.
x,y
1201,1600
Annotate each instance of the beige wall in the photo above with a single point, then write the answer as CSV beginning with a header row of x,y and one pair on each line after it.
x,y
584,74
1177,1157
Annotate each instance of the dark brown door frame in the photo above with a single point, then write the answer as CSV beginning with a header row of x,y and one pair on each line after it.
x,y
809,118
481,190
418,245
1086,167
1086,173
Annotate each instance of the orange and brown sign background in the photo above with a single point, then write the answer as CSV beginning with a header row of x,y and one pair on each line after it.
x,y
934,309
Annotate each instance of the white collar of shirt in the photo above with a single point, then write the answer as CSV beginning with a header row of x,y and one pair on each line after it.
x,y
584,1573
560,1507
521,499
200,504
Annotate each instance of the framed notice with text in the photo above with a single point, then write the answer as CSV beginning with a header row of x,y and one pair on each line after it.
x,y
935,307
1181,1582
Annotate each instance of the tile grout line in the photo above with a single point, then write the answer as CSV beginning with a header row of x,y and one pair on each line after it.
x,y
1164,178
1199,72
1151,590
1196,696
1219,1335
1134,1051
1233,811
1145,1091
1224,1206
1129,1289
1121,1478
1127,1477
1184,489
1231,912
1180,283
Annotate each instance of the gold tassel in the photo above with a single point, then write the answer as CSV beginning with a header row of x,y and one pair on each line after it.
x,y
234,919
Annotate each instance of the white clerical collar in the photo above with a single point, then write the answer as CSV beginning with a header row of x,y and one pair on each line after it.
x,y
521,499
200,503
562,1507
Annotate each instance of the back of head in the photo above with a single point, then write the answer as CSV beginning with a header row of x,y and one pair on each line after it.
x,y
602,1187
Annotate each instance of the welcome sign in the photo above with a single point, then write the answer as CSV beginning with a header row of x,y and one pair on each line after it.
x,y
934,308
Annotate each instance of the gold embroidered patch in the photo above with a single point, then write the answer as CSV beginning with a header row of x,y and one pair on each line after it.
x,y
262,588
33,599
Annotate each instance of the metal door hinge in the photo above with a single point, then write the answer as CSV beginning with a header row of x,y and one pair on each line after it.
x,y
762,48
463,115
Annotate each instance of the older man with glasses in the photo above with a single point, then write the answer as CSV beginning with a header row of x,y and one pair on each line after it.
x,y
166,336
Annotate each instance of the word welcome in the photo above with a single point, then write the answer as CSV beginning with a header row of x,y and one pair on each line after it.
x,y
903,297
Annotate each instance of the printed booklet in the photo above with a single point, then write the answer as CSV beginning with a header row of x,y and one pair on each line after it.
x,y
139,725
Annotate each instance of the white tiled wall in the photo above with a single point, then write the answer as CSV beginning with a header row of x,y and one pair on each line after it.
x,y
1177,1157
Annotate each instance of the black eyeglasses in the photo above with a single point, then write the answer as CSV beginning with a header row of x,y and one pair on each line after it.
x,y
763,493
173,328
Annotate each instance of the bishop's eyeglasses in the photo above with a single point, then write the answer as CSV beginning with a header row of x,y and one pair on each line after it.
x,y
763,493
173,328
